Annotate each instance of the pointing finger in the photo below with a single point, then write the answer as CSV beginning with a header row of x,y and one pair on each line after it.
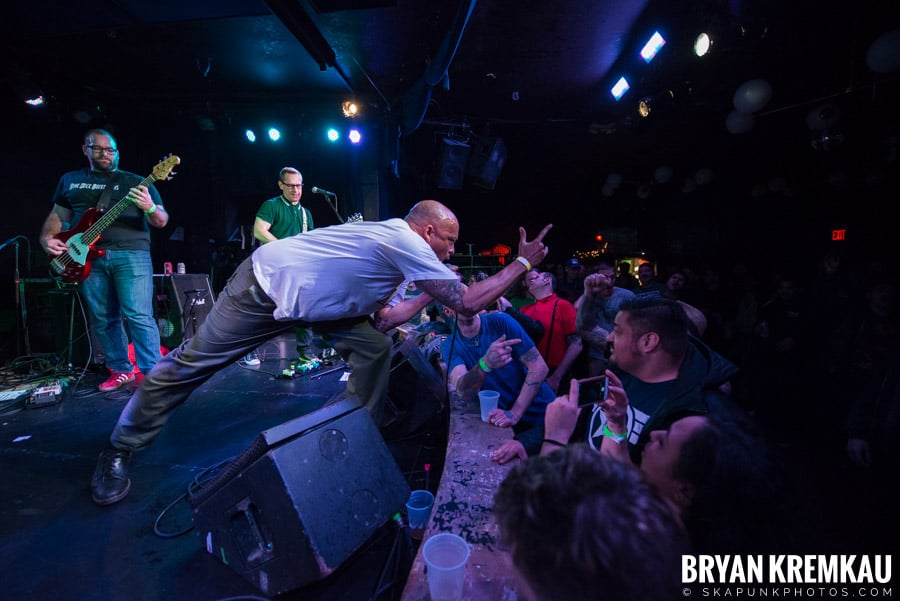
x,y
543,233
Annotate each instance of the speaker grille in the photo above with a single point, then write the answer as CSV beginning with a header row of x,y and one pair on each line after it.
x,y
181,304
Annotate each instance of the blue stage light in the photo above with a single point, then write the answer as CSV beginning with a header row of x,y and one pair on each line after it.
x,y
620,88
652,46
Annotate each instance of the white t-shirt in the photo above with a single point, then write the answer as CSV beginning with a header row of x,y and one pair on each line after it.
x,y
346,270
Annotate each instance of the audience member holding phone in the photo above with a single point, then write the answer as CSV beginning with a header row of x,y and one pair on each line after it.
x,y
666,373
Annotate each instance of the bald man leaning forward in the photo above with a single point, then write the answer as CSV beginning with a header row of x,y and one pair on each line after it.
x,y
343,282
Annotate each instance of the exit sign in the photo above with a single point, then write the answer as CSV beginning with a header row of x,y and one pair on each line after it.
x,y
840,234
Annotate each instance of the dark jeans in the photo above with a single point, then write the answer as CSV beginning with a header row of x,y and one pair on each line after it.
x,y
240,320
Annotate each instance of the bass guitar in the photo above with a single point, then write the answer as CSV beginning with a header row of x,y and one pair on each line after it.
x,y
74,264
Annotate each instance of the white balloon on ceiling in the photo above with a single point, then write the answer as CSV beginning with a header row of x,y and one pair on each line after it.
x,y
703,176
662,174
738,122
752,95
883,55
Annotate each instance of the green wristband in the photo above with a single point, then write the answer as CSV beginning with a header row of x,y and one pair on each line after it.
x,y
613,436
151,210
483,366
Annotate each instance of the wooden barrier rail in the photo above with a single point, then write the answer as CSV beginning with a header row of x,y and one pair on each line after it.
x,y
463,505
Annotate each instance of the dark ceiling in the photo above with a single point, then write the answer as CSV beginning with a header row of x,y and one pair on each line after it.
x,y
535,72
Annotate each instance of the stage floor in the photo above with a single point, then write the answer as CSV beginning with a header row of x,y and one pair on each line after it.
x,y
57,544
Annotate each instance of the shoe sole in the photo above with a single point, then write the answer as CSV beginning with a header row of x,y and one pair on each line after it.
x,y
115,387
111,500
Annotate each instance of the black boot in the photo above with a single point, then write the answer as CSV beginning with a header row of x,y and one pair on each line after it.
x,y
110,483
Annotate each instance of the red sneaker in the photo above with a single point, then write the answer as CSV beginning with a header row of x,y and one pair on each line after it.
x,y
116,381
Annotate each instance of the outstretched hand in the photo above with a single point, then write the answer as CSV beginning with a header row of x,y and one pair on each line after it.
x,y
534,250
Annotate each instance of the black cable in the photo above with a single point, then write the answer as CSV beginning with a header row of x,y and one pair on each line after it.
x,y
393,558
197,482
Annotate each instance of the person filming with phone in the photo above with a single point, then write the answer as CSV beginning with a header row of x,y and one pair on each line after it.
x,y
664,370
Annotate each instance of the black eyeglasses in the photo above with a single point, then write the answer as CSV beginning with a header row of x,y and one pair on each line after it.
x,y
103,150
292,186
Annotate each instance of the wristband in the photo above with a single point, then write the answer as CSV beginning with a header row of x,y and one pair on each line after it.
x,y
524,262
613,436
151,210
484,367
555,443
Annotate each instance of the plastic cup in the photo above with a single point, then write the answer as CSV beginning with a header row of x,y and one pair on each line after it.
x,y
488,400
418,510
445,556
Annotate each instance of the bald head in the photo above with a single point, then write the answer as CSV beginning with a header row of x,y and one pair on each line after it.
x,y
436,224
431,212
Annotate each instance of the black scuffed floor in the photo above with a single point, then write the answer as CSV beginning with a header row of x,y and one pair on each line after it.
x,y
56,544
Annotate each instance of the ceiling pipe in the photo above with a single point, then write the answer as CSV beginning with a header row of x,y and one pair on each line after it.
x,y
301,25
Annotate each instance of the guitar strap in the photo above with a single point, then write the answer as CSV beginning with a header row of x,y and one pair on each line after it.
x,y
103,203
550,333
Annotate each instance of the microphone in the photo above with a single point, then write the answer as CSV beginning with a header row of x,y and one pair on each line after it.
x,y
14,238
317,190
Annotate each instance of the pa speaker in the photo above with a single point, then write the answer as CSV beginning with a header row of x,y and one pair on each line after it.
x,y
451,170
301,498
488,158
181,304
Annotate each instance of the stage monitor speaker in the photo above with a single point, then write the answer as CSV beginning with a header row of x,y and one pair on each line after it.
x,y
451,172
181,303
488,158
416,387
302,498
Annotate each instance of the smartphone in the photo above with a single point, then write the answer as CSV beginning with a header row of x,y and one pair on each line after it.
x,y
592,390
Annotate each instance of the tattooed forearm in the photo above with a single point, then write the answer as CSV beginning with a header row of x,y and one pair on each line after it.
x,y
530,355
448,292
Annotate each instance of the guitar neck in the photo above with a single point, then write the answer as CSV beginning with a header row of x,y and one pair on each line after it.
x,y
93,232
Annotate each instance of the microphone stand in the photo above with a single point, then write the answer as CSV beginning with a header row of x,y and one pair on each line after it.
x,y
21,313
334,207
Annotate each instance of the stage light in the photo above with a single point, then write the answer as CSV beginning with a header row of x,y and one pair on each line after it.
x,y
350,109
274,134
36,101
250,135
620,88
703,44
355,136
644,106
652,103
652,46
333,135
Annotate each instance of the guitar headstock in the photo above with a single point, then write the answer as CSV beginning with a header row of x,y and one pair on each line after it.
x,y
163,169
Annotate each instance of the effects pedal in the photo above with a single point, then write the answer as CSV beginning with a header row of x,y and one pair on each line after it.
x,y
47,395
